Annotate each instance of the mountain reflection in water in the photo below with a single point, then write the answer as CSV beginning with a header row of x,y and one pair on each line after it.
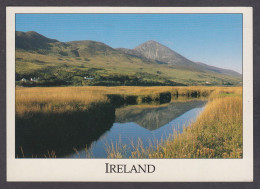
x,y
145,122
153,118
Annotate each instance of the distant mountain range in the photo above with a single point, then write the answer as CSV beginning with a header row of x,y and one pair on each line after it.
x,y
71,63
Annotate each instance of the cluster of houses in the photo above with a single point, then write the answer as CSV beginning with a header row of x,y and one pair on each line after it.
x,y
34,79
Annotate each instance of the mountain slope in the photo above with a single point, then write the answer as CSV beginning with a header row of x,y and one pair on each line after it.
x,y
131,52
156,51
87,48
217,70
72,63
32,41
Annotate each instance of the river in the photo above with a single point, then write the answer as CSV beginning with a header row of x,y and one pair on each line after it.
x,y
148,123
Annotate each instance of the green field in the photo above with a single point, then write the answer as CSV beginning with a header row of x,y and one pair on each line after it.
x,y
109,70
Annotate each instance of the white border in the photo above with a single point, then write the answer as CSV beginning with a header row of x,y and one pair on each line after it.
x,y
166,169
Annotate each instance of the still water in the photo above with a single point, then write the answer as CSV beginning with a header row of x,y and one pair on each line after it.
x,y
149,123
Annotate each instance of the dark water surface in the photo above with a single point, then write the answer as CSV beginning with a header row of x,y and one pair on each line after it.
x,y
146,122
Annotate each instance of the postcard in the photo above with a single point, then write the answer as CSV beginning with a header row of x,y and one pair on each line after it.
x,y
129,94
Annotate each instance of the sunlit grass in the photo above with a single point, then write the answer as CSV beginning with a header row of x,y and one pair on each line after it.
x,y
60,99
64,99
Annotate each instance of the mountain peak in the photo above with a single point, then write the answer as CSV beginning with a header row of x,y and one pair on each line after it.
x,y
32,33
156,51
152,42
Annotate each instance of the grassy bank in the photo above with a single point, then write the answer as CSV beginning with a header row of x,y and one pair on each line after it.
x,y
52,122
217,133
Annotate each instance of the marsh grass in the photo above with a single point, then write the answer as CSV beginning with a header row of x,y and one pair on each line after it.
x,y
56,99
69,99
43,114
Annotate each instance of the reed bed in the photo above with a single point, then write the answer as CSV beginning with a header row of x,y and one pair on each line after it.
x,y
61,99
58,100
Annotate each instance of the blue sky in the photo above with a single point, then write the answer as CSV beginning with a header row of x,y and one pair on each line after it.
x,y
214,39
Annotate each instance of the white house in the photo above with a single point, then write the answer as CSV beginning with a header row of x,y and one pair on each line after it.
x,y
88,78
34,79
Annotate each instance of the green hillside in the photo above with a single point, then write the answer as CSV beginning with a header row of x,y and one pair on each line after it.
x,y
48,62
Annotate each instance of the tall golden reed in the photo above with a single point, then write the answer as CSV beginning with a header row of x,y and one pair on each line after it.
x,y
60,99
